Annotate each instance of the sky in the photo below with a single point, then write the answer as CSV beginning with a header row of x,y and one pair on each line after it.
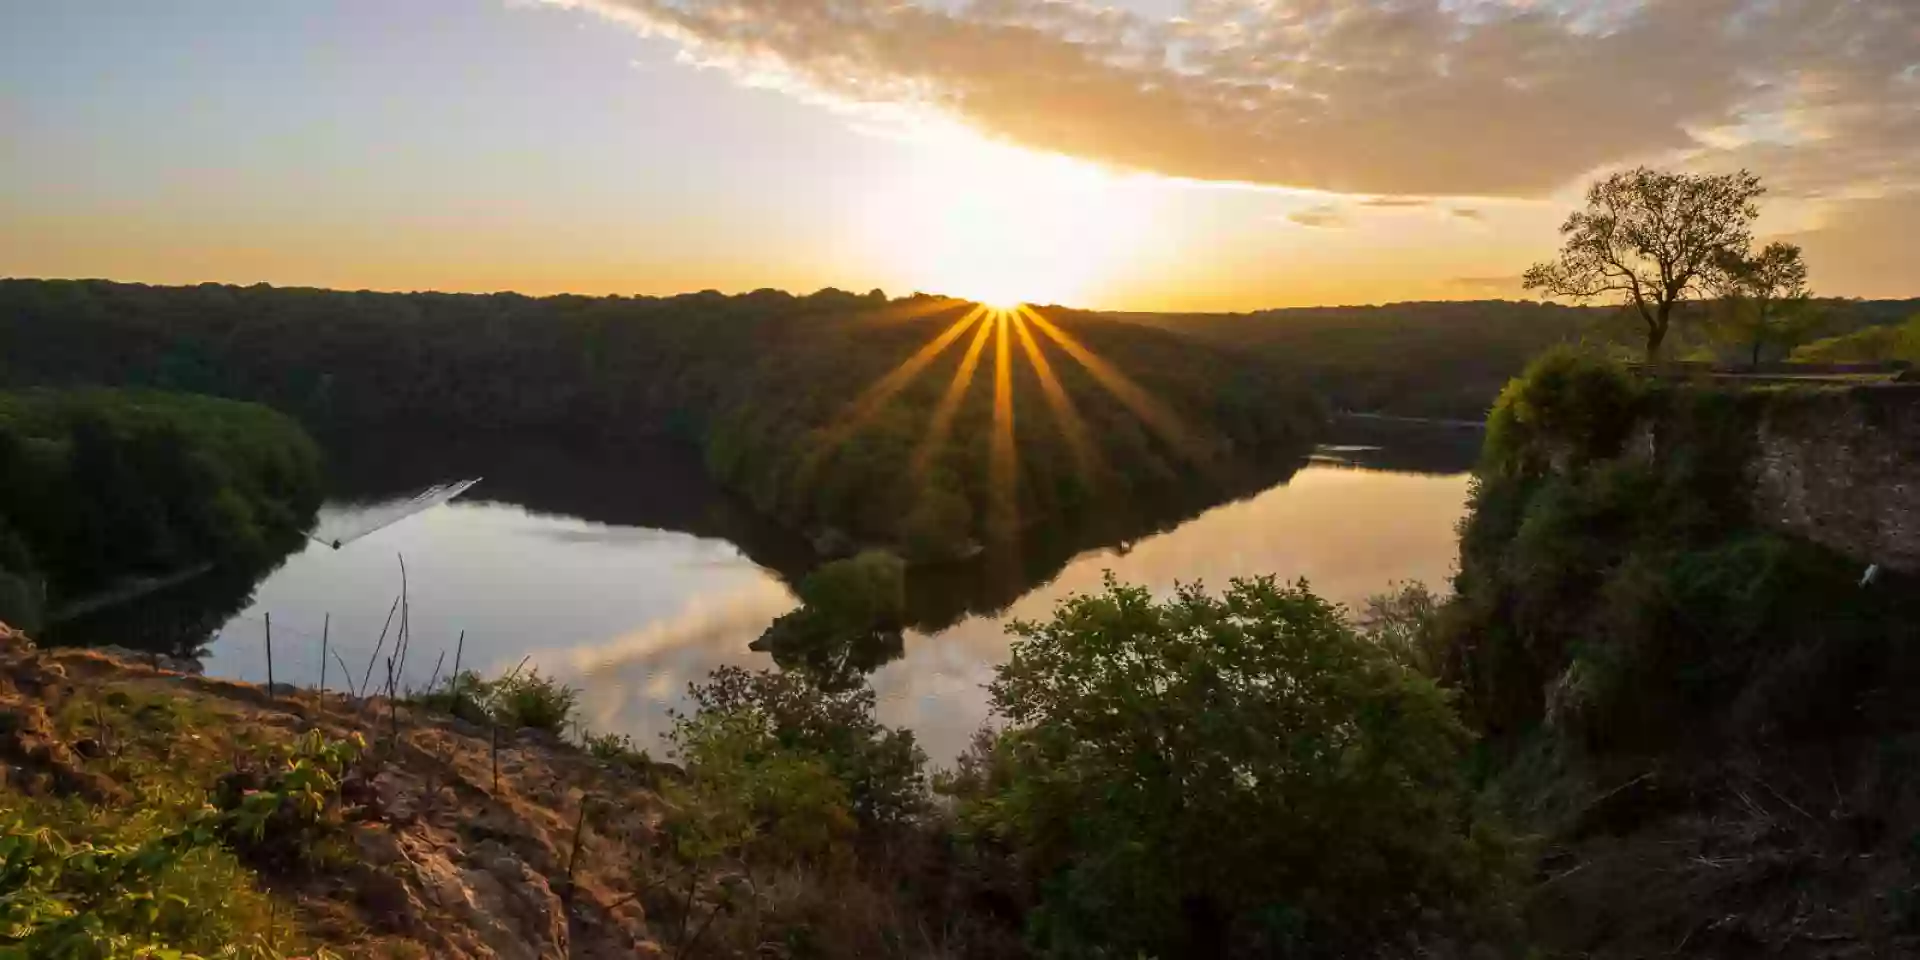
x,y
1149,155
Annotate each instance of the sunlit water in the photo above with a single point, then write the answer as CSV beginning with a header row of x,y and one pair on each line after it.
x,y
632,614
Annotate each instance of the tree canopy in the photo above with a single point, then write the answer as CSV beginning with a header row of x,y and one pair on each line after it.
x,y
1764,300
834,412
96,485
1203,775
1650,239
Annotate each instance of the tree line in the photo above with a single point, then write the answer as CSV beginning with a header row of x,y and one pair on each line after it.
x,y
100,485
777,392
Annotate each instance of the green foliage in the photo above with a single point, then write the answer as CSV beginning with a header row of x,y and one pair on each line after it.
x,y
1763,301
748,795
97,485
616,748
531,700
1626,597
285,809
1650,239
1570,407
1244,772
73,887
512,700
773,389
1868,345
880,767
1405,622
848,622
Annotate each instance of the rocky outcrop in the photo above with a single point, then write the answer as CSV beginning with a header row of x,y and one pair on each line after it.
x,y
1842,468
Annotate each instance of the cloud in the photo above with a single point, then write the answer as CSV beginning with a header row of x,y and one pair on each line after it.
x,y
1382,97
1323,216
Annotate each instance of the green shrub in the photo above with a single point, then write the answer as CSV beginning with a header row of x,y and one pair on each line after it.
x,y
848,623
1243,773
286,809
881,767
513,700
531,700
71,888
616,748
1569,406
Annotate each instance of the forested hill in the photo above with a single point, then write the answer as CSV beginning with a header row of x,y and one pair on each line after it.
x,y
1451,358
918,422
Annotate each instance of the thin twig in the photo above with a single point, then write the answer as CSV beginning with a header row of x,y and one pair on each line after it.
x,y
382,645
347,673
326,627
516,670
269,619
453,683
436,671
579,832
406,606
1777,796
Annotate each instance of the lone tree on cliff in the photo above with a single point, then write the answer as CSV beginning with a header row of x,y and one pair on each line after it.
x,y
1764,300
1650,239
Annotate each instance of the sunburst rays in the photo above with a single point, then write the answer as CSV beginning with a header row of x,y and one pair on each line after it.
x,y
1002,327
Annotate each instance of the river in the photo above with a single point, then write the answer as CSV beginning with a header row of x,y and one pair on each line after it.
x,y
629,579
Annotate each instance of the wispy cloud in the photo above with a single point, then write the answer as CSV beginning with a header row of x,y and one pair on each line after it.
x,y
1322,216
1383,97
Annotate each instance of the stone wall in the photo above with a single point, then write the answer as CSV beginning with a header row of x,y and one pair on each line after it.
x,y
1841,467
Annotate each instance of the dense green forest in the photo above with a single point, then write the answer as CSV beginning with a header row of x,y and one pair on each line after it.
x,y
99,485
1867,345
919,423
1450,359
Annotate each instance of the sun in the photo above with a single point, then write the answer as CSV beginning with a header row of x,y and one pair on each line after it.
x,y
1004,226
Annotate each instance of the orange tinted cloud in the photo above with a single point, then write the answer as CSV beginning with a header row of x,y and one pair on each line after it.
x,y
1385,97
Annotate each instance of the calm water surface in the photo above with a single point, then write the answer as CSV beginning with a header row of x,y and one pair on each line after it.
x,y
669,581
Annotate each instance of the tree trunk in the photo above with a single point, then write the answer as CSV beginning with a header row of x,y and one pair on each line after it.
x,y
1656,333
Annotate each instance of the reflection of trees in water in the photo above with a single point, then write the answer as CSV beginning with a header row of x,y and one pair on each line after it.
x,y
939,596
663,486
179,620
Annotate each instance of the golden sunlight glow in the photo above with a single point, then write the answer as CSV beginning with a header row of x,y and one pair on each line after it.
x,y
1152,412
936,436
1003,326
1085,458
1002,456
1003,226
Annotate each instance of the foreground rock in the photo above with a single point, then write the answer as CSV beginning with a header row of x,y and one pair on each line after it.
x,y
440,859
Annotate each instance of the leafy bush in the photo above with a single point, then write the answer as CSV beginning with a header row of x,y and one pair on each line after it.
x,y
1570,407
531,700
848,623
1404,621
880,766
134,892
513,700
1210,775
287,809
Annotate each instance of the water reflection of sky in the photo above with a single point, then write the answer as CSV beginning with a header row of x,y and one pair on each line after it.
x,y
632,615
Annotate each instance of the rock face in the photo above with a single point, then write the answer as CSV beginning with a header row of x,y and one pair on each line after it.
x,y
1837,466
454,850
1842,468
